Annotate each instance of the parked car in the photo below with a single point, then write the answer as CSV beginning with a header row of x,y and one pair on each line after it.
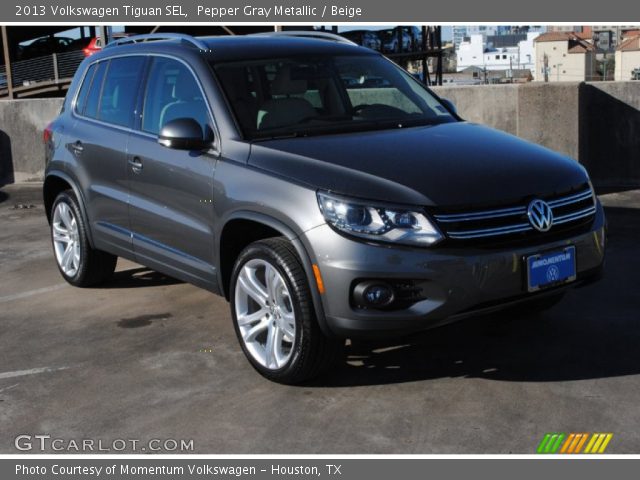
x,y
45,46
358,212
95,43
365,38
395,40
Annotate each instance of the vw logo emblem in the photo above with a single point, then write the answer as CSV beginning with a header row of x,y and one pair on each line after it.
x,y
553,273
540,215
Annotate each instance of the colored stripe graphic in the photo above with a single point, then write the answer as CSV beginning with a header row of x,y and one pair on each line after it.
x,y
574,442
551,442
598,443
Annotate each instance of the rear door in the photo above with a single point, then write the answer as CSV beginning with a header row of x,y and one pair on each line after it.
x,y
171,210
104,113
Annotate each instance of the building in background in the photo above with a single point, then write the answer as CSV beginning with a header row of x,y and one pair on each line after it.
x,y
564,57
605,37
462,32
608,37
507,52
628,59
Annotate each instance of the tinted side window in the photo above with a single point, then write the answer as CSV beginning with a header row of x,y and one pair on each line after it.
x,y
93,99
172,92
118,98
81,101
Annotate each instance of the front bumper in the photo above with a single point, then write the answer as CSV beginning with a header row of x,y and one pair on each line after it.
x,y
458,282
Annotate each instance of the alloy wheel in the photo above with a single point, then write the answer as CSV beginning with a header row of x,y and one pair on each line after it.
x,y
66,244
265,314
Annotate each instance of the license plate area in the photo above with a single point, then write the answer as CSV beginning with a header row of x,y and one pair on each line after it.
x,y
550,269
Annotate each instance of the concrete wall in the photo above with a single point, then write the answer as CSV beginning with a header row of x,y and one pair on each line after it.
x,y
596,123
21,125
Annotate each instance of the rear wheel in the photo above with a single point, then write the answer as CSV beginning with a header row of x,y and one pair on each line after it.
x,y
274,317
79,264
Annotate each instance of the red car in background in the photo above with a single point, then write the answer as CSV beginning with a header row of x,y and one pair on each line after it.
x,y
95,44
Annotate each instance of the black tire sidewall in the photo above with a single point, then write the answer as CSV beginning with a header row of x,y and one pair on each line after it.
x,y
262,251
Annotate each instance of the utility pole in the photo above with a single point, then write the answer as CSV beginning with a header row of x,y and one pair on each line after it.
x,y
511,68
7,61
545,67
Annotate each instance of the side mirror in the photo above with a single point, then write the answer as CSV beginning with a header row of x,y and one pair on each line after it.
x,y
183,134
450,105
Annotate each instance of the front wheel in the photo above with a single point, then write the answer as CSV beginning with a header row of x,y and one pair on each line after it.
x,y
274,317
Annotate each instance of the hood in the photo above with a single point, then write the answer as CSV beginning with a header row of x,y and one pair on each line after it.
x,y
451,164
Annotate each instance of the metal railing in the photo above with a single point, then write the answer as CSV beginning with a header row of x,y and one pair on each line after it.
x,y
32,75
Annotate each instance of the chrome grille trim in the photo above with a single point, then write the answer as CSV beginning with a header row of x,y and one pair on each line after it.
x,y
561,207
488,232
463,217
574,216
579,197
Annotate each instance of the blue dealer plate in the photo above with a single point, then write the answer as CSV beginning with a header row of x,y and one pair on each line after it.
x,y
552,268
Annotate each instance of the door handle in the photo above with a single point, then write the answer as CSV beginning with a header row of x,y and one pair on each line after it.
x,y
77,147
136,164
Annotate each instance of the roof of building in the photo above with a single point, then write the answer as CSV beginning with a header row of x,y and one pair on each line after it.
x,y
577,41
630,44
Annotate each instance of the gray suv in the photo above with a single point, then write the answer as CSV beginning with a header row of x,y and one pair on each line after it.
x,y
321,189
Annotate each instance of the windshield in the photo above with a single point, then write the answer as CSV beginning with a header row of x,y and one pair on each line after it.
x,y
327,94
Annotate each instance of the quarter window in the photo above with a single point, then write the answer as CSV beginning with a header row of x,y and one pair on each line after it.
x,y
81,101
93,98
172,92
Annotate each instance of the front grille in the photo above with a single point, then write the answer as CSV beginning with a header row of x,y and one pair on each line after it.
x,y
569,211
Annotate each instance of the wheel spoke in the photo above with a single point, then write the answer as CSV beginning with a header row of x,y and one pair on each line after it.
x,y
251,286
270,346
251,334
279,356
248,318
273,281
66,215
60,235
288,325
76,255
67,257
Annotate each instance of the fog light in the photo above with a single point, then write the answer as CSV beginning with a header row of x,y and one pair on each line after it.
x,y
373,294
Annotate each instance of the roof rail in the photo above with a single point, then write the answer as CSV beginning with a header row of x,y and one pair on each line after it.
x,y
307,34
159,36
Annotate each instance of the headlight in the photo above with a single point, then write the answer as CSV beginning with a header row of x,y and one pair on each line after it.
x,y
377,222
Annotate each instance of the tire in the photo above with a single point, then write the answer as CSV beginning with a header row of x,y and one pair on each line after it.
x,y
82,266
278,312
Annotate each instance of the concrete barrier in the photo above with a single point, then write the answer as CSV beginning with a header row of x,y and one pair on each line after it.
x,y
22,123
596,123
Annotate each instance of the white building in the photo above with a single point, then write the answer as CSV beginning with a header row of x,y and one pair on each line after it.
x,y
564,57
628,59
462,31
474,53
